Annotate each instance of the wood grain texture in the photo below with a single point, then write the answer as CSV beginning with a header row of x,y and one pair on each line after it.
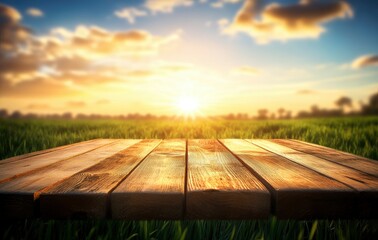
x,y
365,184
155,189
154,179
347,159
297,192
85,194
220,187
31,154
25,166
17,196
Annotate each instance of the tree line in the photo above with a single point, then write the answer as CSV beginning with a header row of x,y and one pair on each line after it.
x,y
341,106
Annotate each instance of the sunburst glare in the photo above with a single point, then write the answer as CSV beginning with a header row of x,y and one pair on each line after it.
x,y
188,106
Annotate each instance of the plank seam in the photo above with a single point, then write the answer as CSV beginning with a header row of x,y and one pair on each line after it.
x,y
37,207
324,158
304,166
41,168
258,176
108,195
185,178
39,192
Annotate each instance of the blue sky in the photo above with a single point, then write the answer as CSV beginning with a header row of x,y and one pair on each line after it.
x,y
224,67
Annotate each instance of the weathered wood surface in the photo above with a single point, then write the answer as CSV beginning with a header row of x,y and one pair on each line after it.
x,y
343,158
219,186
85,193
13,169
156,189
17,197
364,183
193,179
20,157
296,190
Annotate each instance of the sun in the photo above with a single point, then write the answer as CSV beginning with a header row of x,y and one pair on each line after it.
x,y
187,105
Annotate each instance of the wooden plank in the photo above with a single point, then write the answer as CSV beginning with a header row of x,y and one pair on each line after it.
x,y
85,194
17,197
31,154
297,192
155,190
365,184
220,187
345,154
343,158
15,169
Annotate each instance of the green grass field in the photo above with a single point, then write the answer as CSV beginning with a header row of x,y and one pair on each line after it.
x,y
357,135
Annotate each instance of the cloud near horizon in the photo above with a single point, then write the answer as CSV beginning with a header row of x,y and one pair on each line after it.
x,y
95,42
166,6
365,61
221,3
35,88
305,92
76,104
38,106
102,101
50,65
246,70
276,22
130,14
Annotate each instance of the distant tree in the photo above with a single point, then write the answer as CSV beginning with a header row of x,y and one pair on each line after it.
x,y
288,115
315,110
372,106
241,116
262,113
344,102
373,101
272,116
16,115
230,116
121,117
149,116
81,116
281,112
3,113
53,116
303,114
31,116
67,115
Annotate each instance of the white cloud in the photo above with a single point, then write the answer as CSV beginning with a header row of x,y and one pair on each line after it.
x,y
223,22
166,6
365,61
130,14
221,3
34,12
91,42
64,61
283,22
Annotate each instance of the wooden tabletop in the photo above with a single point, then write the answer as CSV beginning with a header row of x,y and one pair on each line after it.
x,y
189,179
